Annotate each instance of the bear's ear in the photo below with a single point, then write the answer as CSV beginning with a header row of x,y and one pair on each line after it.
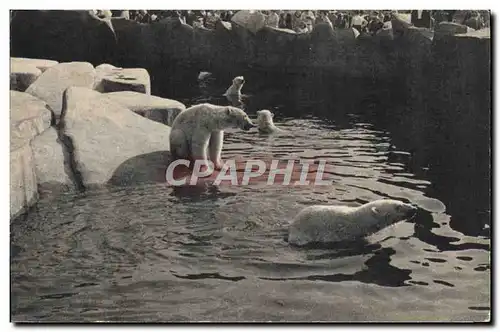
x,y
272,115
228,110
375,211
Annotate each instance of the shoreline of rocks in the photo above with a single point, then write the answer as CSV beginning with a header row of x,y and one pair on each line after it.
x,y
76,126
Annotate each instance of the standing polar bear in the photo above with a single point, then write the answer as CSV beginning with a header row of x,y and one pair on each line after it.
x,y
329,223
235,88
200,129
265,122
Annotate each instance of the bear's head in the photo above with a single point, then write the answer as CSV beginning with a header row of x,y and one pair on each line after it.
x,y
264,118
264,115
390,211
237,118
239,81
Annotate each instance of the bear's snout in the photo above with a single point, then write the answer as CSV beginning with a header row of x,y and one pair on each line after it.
x,y
247,126
411,210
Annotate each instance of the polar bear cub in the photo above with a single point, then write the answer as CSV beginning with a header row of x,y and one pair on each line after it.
x,y
198,132
235,88
330,223
265,122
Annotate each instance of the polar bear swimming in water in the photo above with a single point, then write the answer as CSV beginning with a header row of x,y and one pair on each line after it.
x,y
265,122
335,223
200,129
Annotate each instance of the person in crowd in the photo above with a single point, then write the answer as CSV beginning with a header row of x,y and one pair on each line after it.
x,y
474,20
296,19
421,18
223,15
308,18
190,17
184,14
307,15
139,15
301,28
346,20
322,17
282,21
387,22
198,22
211,19
272,20
339,22
358,22
333,16
375,25
146,18
309,25
289,21
440,16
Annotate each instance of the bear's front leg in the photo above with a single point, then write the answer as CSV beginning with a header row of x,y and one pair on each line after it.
x,y
199,146
215,148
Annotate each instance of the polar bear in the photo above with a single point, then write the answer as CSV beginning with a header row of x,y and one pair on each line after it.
x,y
265,122
330,223
199,129
235,88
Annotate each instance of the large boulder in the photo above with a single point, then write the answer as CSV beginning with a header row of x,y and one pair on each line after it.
x,y
275,47
400,23
450,28
385,33
161,48
62,35
151,107
29,116
22,75
227,47
51,85
483,34
112,79
178,40
51,162
245,42
123,14
23,185
104,135
474,23
204,39
151,46
460,88
338,50
251,20
42,64
25,71
324,46
136,44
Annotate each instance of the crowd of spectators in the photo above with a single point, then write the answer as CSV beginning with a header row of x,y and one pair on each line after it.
x,y
303,21
297,20
430,18
195,18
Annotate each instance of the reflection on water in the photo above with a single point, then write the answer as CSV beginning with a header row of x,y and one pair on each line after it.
x,y
156,253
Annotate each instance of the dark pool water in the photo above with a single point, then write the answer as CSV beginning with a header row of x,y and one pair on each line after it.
x,y
153,253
